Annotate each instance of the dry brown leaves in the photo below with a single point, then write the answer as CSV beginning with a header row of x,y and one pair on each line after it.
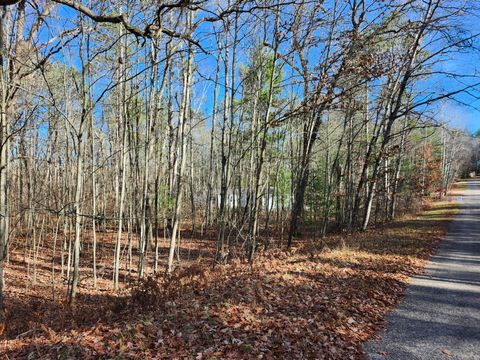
x,y
309,305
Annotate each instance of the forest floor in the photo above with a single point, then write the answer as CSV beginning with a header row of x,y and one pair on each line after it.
x,y
317,302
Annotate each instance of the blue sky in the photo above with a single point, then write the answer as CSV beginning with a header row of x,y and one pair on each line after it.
x,y
464,113
467,117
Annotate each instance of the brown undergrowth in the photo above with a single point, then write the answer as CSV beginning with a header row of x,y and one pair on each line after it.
x,y
321,301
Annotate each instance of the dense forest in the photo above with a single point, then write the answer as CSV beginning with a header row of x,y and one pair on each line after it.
x,y
138,136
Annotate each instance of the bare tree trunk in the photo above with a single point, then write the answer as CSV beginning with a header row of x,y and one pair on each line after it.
x,y
263,143
3,166
123,123
398,166
185,113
